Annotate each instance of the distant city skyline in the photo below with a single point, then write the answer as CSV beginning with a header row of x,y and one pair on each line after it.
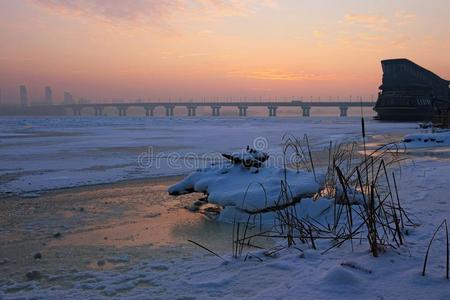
x,y
111,50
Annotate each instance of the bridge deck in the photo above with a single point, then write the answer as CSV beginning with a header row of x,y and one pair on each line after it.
x,y
233,104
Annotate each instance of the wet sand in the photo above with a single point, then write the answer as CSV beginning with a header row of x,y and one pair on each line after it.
x,y
102,227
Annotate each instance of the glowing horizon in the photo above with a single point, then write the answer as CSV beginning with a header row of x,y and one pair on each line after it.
x,y
101,49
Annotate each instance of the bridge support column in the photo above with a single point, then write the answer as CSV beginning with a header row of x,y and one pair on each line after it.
x,y
76,111
215,111
242,111
192,111
272,111
149,111
343,110
122,110
169,110
306,111
98,111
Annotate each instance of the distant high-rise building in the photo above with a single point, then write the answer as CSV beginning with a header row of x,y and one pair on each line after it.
x,y
23,95
48,95
68,99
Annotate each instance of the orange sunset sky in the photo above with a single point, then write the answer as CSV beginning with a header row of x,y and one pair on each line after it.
x,y
124,49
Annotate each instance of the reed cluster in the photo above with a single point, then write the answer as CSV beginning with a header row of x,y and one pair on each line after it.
x,y
366,202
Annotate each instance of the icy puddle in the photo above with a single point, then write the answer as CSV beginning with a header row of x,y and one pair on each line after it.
x,y
105,227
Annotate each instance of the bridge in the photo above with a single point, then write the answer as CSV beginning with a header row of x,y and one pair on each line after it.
x,y
191,107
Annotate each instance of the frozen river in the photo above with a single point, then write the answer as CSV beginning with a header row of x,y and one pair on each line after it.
x,y
49,153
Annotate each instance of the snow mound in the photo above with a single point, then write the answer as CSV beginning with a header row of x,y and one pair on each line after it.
x,y
339,276
249,189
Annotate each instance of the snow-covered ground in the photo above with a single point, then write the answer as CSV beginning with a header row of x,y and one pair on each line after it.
x,y
297,273
48,153
342,273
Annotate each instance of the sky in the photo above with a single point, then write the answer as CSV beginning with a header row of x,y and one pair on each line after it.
x,y
108,50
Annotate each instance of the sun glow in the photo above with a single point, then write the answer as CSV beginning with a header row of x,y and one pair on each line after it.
x,y
204,48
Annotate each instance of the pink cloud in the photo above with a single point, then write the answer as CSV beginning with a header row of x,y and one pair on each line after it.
x,y
121,11
280,75
152,12
405,18
374,22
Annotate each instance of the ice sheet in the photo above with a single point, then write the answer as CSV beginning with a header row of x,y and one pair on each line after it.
x,y
49,153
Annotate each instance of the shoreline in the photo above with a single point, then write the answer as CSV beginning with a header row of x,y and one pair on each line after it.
x,y
40,193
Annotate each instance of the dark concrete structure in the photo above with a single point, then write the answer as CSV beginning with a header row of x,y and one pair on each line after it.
x,y
215,110
149,110
410,92
191,110
169,110
272,110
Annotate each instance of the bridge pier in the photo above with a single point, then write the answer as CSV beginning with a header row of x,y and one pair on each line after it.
x,y
98,111
306,111
122,110
272,110
215,111
191,111
169,110
343,110
76,111
242,111
149,111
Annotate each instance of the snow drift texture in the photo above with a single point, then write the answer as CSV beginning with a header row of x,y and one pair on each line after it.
x,y
249,189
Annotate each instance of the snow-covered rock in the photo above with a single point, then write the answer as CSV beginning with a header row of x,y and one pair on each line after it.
x,y
248,189
248,157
